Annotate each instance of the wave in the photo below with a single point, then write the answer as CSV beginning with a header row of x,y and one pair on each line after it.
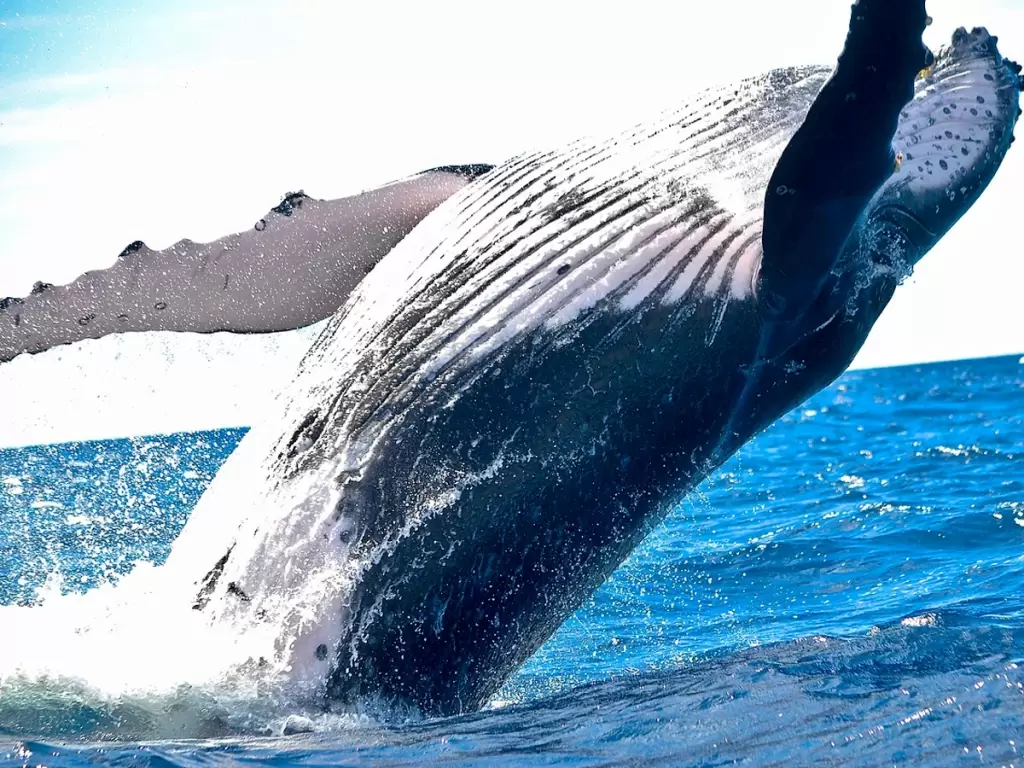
x,y
924,689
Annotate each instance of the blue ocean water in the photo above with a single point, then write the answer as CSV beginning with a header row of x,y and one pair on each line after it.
x,y
847,590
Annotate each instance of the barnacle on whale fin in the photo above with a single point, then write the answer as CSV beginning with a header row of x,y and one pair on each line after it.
x,y
898,163
290,202
131,248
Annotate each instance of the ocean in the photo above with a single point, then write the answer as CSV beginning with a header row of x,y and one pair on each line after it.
x,y
847,590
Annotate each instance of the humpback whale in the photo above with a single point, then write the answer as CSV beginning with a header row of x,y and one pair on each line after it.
x,y
565,346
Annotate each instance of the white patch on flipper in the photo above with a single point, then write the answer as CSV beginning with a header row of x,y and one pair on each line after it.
x,y
946,131
945,146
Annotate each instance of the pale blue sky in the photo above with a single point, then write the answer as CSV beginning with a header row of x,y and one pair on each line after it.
x,y
160,120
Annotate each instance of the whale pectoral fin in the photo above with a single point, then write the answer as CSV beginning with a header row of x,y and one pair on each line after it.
x,y
296,266
841,155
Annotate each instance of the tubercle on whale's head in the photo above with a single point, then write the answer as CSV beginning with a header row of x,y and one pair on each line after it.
x,y
952,138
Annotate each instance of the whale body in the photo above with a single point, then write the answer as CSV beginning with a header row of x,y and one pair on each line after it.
x,y
557,354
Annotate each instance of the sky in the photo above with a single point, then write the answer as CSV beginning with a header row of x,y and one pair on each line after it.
x,y
159,120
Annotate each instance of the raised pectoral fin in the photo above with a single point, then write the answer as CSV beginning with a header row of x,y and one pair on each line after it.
x,y
841,155
296,266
